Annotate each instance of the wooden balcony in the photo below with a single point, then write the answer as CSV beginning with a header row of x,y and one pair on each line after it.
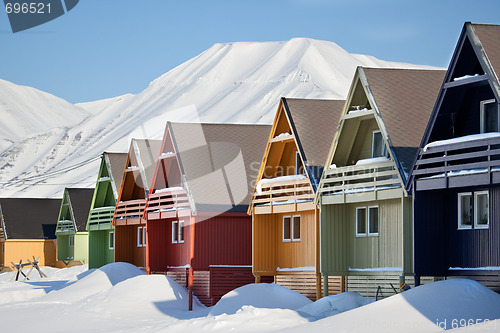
x,y
355,183
284,196
459,163
65,227
168,204
101,218
129,212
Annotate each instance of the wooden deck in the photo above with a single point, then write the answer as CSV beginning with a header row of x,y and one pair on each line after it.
x,y
168,204
355,183
284,196
468,163
129,212
101,218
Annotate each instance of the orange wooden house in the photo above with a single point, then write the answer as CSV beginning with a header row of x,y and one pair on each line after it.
x,y
285,219
198,231
27,229
130,227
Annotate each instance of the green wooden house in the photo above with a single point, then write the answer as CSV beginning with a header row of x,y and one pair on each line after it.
x,y
101,231
71,231
365,212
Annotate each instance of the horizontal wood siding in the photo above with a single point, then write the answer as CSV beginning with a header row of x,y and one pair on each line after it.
x,y
179,275
126,248
305,283
222,240
367,285
201,287
225,279
99,252
489,279
162,252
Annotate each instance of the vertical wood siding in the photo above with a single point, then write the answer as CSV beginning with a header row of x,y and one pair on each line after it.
x,y
126,249
162,252
64,251
265,234
99,252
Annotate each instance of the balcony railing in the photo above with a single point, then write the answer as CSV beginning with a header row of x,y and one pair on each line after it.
x,y
65,226
284,196
129,212
361,182
168,203
466,161
101,218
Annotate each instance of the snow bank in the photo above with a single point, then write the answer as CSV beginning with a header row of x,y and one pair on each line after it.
x,y
259,295
333,305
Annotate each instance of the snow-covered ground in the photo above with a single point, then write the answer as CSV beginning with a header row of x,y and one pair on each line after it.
x,y
120,297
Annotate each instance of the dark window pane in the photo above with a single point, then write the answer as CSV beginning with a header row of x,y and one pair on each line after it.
x,y
373,220
296,227
361,221
286,228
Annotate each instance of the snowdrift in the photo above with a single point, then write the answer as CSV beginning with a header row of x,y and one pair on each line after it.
x,y
261,295
333,305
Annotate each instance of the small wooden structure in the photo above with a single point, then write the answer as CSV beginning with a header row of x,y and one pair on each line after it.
x,y
198,231
130,227
99,225
456,177
285,219
71,230
366,224
27,228
19,268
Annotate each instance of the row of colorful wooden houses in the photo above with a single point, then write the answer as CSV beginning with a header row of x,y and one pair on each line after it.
x,y
399,180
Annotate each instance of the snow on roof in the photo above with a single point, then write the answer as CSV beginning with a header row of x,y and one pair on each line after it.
x,y
461,139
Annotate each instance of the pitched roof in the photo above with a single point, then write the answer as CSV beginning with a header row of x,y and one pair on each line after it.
x,y
26,218
489,35
80,200
147,152
115,168
405,99
217,159
315,123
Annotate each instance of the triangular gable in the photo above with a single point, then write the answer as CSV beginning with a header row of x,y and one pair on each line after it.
x,y
472,76
80,200
385,101
65,221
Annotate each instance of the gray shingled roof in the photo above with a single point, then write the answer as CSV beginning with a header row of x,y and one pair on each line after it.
x,y
220,162
26,218
148,151
116,166
489,35
315,123
80,200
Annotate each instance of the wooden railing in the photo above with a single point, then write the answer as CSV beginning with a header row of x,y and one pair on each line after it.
x,y
474,161
167,202
281,193
132,209
65,226
100,216
360,179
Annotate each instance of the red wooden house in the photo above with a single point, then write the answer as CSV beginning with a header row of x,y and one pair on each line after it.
x,y
130,227
198,231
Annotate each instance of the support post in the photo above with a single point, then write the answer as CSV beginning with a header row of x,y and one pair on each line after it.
x,y
318,286
417,280
191,261
257,278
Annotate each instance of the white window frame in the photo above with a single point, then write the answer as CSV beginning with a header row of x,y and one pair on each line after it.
x,y
292,229
181,227
384,147
481,115
361,234
476,210
71,240
111,236
372,234
144,236
459,211
286,240
139,236
175,232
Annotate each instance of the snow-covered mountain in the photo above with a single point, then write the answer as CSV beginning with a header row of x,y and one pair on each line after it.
x,y
47,143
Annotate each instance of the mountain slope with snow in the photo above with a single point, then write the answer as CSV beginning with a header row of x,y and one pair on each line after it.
x,y
47,143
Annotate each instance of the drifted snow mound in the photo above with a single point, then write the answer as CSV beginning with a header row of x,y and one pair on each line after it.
x,y
97,281
259,295
428,308
144,295
333,305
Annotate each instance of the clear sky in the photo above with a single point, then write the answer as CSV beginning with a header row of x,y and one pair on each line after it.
x,y
106,48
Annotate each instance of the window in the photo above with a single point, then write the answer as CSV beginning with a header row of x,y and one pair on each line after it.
x,y
489,118
367,221
175,235
296,228
378,145
177,232
361,222
181,231
144,235
3,248
71,240
139,237
111,240
299,167
286,229
481,207
465,210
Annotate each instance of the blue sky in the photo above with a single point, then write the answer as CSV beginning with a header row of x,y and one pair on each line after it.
x,y
106,48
